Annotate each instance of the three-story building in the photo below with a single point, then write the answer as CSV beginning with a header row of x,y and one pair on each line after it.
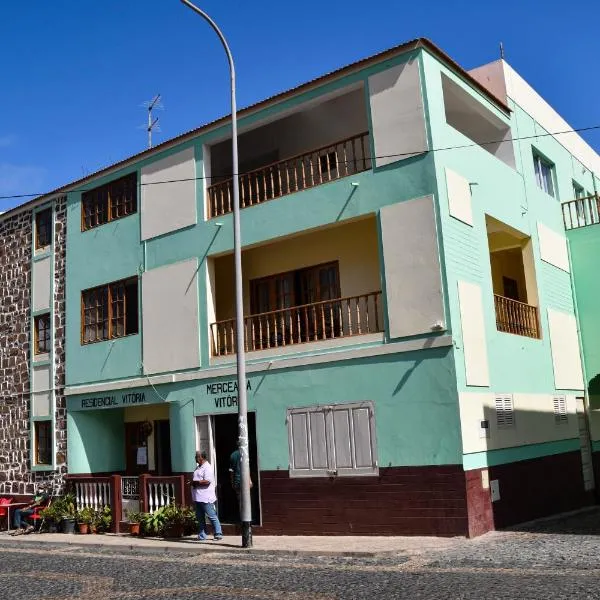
x,y
413,358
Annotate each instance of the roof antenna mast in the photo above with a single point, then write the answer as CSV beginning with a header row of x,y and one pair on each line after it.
x,y
152,123
501,50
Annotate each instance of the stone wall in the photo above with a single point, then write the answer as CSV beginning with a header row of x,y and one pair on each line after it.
x,y
16,476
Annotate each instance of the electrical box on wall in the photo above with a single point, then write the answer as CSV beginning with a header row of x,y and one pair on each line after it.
x,y
484,428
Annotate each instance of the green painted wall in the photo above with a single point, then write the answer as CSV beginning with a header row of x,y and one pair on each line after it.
x,y
96,441
516,363
114,250
480,460
414,394
585,249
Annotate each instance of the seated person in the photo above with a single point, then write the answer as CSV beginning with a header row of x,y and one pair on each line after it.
x,y
21,523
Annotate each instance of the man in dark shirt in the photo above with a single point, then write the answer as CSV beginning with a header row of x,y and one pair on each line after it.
x,y
21,522
235,475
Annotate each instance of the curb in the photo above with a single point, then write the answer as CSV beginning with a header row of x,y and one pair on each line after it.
x,y
199,548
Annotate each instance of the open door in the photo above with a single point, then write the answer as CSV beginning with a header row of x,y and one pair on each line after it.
x,y
217,435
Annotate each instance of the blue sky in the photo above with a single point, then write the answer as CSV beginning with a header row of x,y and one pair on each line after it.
x,y
75,74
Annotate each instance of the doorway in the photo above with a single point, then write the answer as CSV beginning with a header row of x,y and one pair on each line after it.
x,y
218,435
148,447
162,447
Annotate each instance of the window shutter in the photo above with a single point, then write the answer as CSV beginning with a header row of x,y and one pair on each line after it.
x,y
318,440
332,440
307,442
560,410
354,440
505,417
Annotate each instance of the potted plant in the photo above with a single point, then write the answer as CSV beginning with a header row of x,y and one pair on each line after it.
x,y
102,520
67,512
190,522
85,518
166,521
135,521
51,517
174,521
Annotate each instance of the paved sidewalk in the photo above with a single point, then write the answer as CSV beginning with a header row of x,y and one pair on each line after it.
x,y
290,545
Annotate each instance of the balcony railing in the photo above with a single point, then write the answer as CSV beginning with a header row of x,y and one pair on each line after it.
x,y
341,159
516,317
330,319
581,212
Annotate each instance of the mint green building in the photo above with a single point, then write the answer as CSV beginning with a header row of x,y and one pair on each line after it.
x,y
409,316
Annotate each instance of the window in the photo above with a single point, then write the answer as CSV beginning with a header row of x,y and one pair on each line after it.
x,y
109,202
109,311
578,191
43,228
332,440
43,442
42,334
544,174
560,410
505,416
312,286
295,288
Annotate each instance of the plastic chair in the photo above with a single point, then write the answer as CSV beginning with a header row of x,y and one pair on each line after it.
x,y
4,510
36,517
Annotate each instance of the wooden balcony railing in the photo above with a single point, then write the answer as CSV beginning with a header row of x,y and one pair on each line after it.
x,y
581,212
295,174
516,317
330,319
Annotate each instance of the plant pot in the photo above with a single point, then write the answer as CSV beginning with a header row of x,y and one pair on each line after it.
x,y
93,529
68,525
134,528
83,528
173,531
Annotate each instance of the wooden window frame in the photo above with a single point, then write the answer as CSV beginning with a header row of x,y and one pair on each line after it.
x,y
112,322
47,427
109,202
40,217
295,275
36,335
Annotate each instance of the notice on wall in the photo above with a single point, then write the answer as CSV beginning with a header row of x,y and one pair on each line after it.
x,y
142,455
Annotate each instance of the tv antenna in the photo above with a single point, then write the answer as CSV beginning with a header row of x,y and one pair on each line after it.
x,y
150,105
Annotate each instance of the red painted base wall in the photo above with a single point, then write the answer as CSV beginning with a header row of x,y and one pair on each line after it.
x,y
529,490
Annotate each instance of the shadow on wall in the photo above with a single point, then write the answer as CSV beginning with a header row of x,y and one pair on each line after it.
x,y
594,391
541,472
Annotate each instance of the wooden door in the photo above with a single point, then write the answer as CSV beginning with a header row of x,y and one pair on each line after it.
x,y
134,440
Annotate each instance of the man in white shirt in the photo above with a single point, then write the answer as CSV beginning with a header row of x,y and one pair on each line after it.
x,y
204,497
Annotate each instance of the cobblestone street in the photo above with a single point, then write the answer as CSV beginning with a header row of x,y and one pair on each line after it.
x,y
551,560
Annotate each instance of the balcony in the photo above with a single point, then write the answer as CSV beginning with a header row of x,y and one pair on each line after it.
x,y
325,320
328,163
581,212
319,141
516,317
319,285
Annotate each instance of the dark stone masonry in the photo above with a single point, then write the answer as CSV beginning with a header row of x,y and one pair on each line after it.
x,y
16,476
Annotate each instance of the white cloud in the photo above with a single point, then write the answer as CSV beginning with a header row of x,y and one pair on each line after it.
x,y
7,140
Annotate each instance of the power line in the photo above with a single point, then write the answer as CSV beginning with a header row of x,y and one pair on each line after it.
x,y
413,153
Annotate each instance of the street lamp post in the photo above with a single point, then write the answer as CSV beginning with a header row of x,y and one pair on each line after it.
x,y
245,508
